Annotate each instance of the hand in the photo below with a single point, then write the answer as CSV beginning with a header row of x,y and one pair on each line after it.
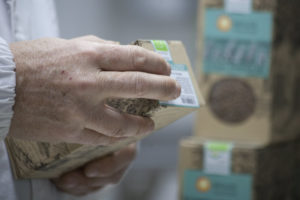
x,y
96,174
62,86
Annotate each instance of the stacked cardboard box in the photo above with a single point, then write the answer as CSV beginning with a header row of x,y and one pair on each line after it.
x,y
248,68
249,71
270,169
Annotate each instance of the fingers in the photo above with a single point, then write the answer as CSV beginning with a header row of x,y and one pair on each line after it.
x,y
70,180
138,85
92,38
91,137
115,124
101,172
106,167
103,181
76,183
111,56
131,58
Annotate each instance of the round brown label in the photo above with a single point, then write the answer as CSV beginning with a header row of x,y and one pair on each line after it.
x,y
232,100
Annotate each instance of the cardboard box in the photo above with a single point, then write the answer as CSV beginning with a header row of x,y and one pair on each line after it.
x,y
258,172
32,159
248,68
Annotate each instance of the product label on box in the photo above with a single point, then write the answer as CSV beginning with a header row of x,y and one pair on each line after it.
x,y
161,47
237,44
217,157
199,185
238,6
188,97
180,73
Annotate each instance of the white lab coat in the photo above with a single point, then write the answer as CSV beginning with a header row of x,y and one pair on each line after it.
x,y
20,20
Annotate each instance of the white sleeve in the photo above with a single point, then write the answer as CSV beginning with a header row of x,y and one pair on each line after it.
x,y
7,87
7,95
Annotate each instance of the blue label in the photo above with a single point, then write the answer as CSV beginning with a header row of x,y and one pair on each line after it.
x,y
238,44
178,67
202,186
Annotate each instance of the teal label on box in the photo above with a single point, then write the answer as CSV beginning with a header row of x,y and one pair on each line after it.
x,y
238,44
202,186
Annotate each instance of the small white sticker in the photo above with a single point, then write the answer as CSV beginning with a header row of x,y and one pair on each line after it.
x,y
238,6
217,158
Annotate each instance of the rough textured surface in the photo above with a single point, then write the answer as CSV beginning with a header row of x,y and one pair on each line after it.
x,y
231,100
141,107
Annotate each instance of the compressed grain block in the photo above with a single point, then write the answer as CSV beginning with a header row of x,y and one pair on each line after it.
x,y
247,102
272,167
31,159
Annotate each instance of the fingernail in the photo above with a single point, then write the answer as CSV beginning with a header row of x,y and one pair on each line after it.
x,y
178,90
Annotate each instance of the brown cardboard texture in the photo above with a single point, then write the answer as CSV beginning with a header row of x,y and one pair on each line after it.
x,y
272,167
31,159
249,108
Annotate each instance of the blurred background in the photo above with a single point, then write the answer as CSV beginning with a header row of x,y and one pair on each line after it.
x,y
153,174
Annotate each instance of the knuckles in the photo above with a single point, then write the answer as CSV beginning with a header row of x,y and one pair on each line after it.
x,y
84,85
86,50
138,56
92,38
140,85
